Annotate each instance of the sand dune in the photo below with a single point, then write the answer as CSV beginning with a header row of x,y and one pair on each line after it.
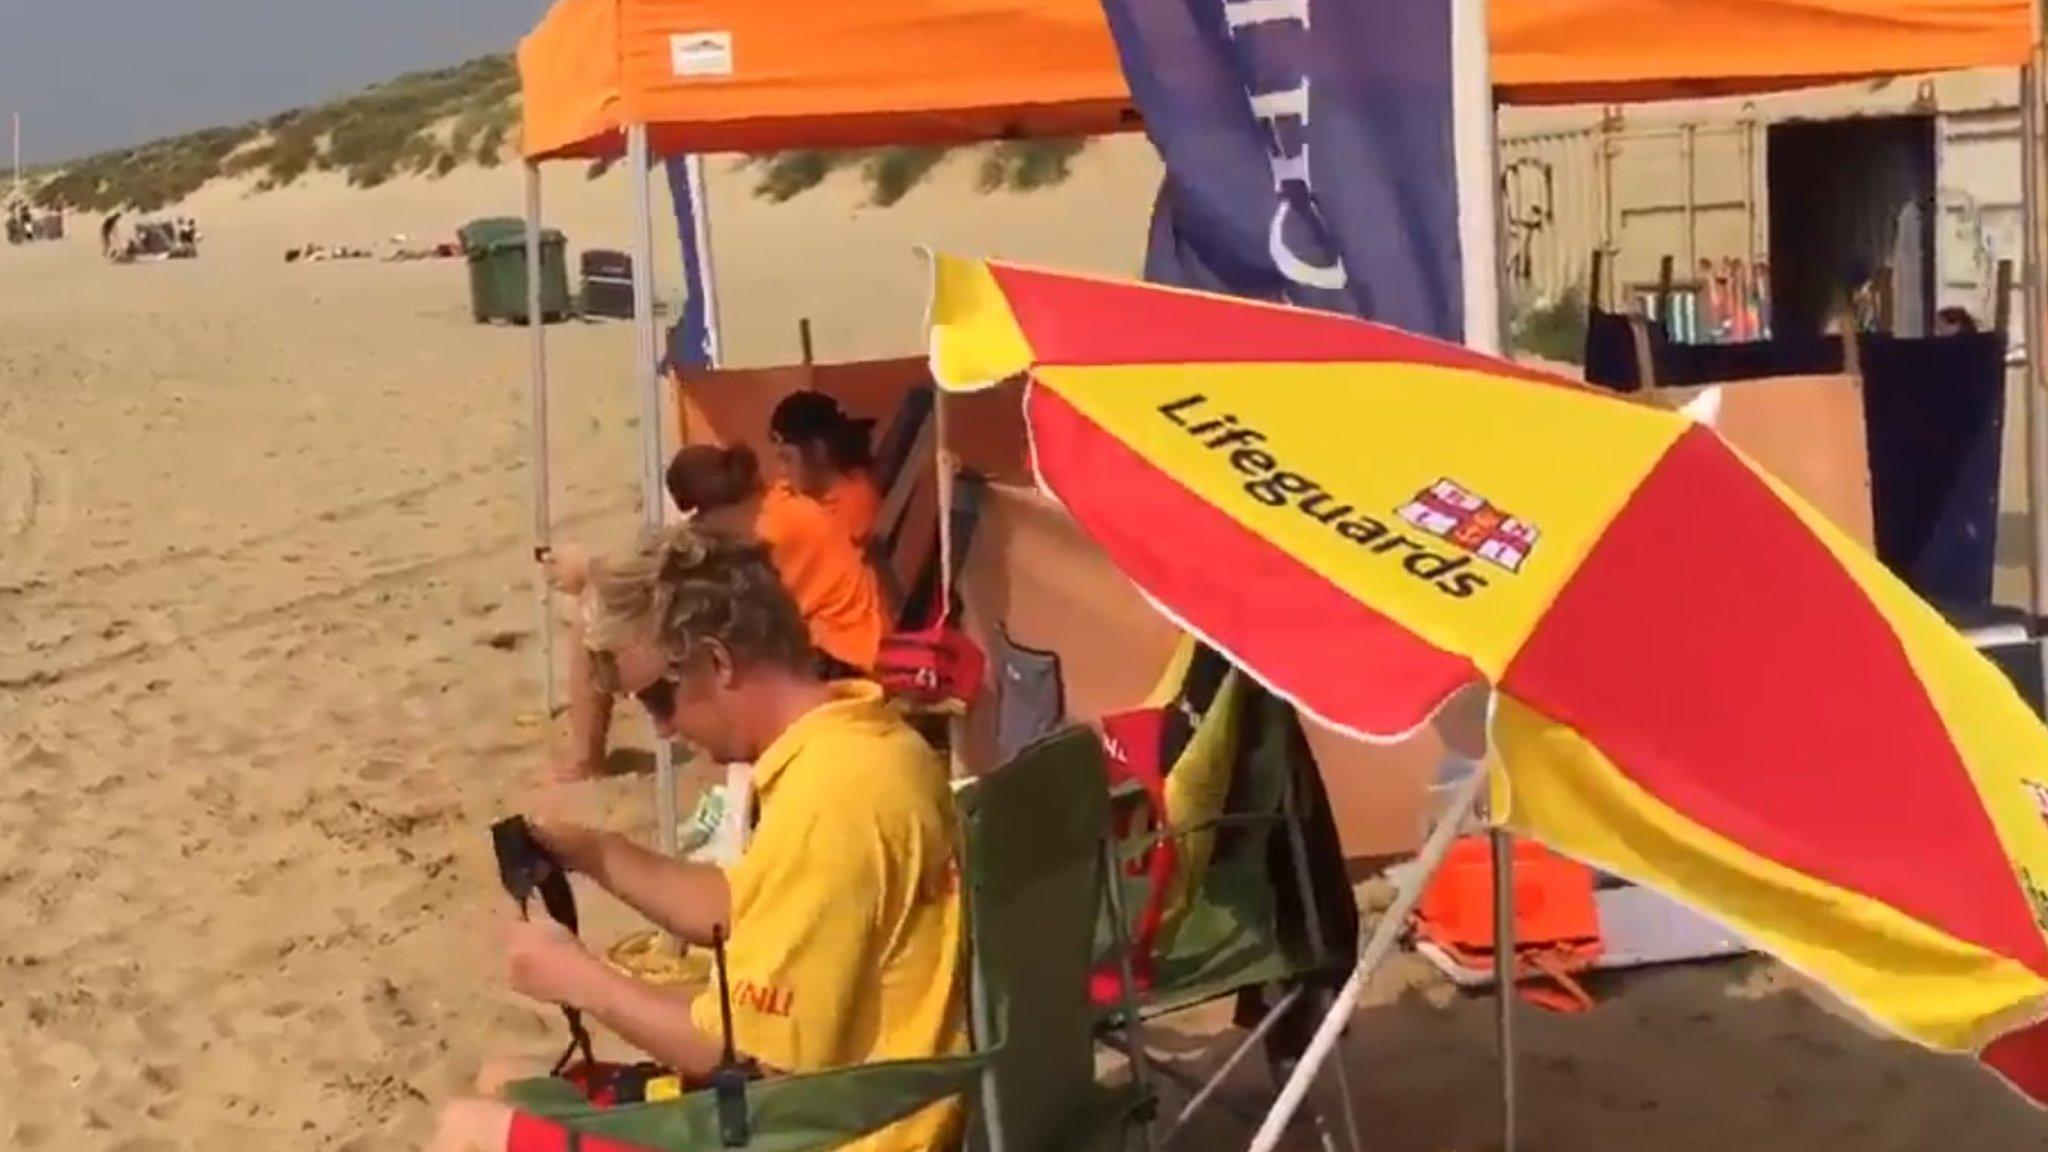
x,y
267,667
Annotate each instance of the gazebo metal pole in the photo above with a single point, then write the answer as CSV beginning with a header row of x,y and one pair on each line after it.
x,y
647,370
537,391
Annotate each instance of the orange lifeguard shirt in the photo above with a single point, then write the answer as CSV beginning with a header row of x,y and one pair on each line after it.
x,y
835,588
856,502
847,928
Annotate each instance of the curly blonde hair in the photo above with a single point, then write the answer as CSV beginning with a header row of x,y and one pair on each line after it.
x,y
687,585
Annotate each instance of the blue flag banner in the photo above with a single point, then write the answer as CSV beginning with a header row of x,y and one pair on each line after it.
x,y
689,342
1308,151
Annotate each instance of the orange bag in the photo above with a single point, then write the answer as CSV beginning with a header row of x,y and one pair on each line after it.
x,y
1557,923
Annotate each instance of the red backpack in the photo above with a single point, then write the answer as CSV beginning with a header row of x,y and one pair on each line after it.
x,y
938,664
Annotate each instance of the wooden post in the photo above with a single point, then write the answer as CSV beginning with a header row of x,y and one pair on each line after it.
x,y
1666,269
1646,354
1845,320
2001,303
803,337
1689,145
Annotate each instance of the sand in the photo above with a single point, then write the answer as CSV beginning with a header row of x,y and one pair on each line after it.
x,y
267,669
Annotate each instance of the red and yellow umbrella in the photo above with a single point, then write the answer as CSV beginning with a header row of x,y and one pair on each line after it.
x,y
1702,685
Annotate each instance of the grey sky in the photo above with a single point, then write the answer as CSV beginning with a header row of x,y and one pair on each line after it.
x,y
87,75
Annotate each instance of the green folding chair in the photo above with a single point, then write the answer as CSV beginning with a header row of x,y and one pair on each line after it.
x,y
1033,851
1037,878
1253,923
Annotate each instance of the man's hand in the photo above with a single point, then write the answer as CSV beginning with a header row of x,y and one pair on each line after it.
x,y
545,961
578,846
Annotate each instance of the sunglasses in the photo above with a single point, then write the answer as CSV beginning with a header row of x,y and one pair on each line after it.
x,y
659,698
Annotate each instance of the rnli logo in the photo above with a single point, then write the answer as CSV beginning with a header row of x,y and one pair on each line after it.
x,y
1114,749
766,999
942,883
1460,516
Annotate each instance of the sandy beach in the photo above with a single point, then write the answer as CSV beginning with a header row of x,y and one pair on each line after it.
x,y
268,669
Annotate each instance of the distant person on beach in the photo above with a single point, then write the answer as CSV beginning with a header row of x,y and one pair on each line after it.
x,y
842,918
107,227
830,457
836,591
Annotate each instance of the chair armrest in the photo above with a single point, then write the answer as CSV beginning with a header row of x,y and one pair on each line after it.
x,y
1131,847
806,1113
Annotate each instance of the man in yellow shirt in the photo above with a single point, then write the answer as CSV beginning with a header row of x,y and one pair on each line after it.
x,y
845,935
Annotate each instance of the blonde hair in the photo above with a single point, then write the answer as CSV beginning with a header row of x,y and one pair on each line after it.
x,y
689,584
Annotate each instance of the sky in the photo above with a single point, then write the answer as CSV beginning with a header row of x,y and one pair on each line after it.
x,y
88,75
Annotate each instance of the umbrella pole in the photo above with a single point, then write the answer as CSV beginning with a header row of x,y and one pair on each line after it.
x,y
1504,971
647,370
2033,324
942,465
1476,147
1386,932
537,389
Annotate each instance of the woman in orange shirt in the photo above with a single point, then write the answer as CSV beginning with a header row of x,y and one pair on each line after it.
x,y
833,586
835,590
827,455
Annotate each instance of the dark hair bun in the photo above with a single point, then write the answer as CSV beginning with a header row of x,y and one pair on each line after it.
x,y
705,477
806,417
809,417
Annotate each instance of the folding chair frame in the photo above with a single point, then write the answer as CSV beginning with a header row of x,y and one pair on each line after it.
x,y
1203,1090
1386,933
1141,1064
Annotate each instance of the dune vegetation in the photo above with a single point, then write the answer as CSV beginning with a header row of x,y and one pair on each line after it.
x,y
426,123
429,124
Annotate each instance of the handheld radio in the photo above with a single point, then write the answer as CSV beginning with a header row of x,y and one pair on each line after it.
x,y
729,1079
525,866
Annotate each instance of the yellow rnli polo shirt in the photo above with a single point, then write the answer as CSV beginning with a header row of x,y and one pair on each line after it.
x,y
847,943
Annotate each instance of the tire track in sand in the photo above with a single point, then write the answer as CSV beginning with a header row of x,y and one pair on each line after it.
x,y
339,514
33,511
142,651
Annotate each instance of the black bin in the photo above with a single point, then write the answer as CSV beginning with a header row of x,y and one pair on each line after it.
x,y
607,284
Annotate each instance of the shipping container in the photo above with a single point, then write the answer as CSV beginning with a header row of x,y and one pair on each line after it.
x,y
1689,181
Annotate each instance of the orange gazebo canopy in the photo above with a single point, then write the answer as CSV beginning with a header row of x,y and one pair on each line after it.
x,y
743,75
